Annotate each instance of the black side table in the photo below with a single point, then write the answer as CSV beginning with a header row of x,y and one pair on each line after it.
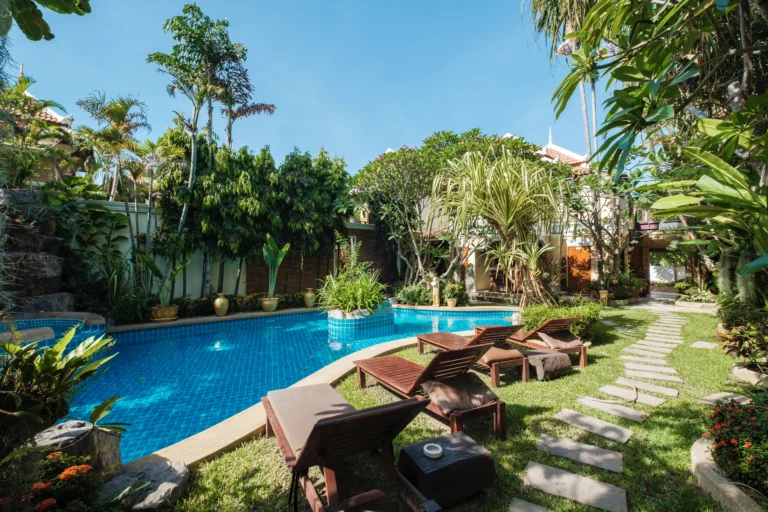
x,y
465,468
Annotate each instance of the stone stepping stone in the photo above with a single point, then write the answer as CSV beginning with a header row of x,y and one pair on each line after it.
x,y
704,344
519,505
662,344
651,348
654,345
580,489
713,398
664,339
623,329
649,368
594,425
632,395
638,350
580,452
665,328
608,322
652,376
621,411
645,360
648,387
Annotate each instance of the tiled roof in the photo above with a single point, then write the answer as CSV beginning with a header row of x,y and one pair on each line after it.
x,y
563,155
50,116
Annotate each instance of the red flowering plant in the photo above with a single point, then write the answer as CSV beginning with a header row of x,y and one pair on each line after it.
x,y
739,435
50,482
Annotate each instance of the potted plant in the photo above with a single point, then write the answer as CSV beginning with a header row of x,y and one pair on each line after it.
x,y
273,257
452,293
165,312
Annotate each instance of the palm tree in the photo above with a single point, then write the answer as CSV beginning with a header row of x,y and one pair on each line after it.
x,y
236,96
119,120
555,19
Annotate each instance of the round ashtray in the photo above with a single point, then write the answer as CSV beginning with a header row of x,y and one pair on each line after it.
x,y
433,451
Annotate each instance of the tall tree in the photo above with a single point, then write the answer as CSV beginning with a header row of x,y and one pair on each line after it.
x,y
119,120
237,97
30,19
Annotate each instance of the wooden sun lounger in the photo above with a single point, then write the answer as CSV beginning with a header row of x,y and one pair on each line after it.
x,y
405,377
523,337
494,334
315,426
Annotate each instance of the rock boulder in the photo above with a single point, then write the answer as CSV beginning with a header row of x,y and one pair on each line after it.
x,y
163,483
83,439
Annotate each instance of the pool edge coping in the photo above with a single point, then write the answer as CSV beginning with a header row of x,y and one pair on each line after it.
x,y
251,422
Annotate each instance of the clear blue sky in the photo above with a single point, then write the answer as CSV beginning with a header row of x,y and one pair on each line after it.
x,y
353,76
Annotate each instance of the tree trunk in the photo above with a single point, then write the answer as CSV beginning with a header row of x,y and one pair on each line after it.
x,y
237,279
115,178
288,276
149,211
184,276
229,127
585,115
220,286
301,273
595,149
202,281
207,270
173,283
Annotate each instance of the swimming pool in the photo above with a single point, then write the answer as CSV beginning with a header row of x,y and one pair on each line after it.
x,y
178,381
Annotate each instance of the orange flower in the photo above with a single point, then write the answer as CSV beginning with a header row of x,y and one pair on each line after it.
x,y
748,445
39,487
705,435
54,455
73,471
45,504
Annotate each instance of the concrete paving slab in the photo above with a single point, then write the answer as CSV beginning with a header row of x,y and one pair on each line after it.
x,y
656,345
704,345
519,505
620,411
632,395
646,345
652,376
580,489
594,425
644,360
714,397
581,452
648,387
644,351
649,368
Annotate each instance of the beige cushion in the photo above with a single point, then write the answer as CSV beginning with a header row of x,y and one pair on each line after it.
x,y
497,354
560,339
298,409
460,393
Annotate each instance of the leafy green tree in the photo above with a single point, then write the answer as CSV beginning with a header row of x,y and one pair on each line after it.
x,y
29,17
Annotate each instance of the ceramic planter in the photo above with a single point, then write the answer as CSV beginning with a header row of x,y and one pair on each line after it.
x,y
309,297
451,302
221,305
269,305
164,314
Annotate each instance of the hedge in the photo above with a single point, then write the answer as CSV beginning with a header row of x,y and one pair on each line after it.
x,y
589,312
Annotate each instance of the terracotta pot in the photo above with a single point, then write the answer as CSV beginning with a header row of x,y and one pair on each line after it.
x,y
451,302
309,297
221,305
270,304
164,314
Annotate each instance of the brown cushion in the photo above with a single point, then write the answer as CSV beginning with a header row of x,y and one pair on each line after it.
x,y
460,393
299,408
497,354
561,339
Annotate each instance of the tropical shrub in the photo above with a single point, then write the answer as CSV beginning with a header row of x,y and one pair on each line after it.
x,y
684,285
700,296
749,343
30,480
450,290
37,384
740,443
415,295
273,257
733,313
589,312
625,286
352,290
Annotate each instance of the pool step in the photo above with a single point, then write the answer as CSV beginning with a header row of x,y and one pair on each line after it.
x,y
574,487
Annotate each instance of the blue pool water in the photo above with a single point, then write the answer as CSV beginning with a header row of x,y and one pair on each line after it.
x,y
177,381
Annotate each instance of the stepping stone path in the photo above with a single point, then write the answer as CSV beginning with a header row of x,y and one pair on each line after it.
x,y
632,395
648,387
649,368
574,487
645,359
580,452
594,425
653,376
714,398
704,344
614,409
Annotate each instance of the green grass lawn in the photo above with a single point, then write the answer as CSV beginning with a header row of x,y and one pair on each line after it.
x,y
657,473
